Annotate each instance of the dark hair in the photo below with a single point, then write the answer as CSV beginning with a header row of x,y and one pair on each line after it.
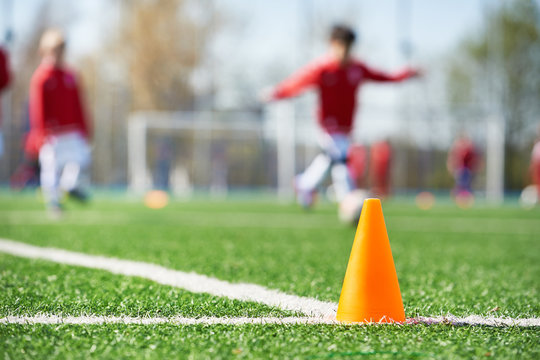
x,y
343,34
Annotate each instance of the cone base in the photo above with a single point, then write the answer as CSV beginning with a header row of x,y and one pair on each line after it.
x,y
355,319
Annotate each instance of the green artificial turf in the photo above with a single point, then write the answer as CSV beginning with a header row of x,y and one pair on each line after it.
x,y
31,287
268,341
482,261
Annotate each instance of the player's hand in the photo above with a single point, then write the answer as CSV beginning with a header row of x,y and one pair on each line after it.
x,y
266,95
415,73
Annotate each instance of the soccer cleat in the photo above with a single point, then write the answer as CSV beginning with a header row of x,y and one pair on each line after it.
x,y
304,198
79,195
55,211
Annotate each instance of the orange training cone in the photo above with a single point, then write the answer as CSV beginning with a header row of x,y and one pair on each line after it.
x,y
370,290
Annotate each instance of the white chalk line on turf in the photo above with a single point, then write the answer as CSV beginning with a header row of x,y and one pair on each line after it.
x,y
473,320
177,320
189,281
319,312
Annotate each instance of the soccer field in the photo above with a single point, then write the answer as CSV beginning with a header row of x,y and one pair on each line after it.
x,y
450,262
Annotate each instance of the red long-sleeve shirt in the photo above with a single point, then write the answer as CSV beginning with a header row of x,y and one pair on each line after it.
x,y
55,106
381,157
463,155
4,74
337,85
535,164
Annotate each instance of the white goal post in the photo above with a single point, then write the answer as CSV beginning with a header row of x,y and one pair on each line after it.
x,y
275,126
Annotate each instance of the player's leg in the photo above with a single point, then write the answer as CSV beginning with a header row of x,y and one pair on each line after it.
x,y
464,183
307,182
49,176
25,174
338,148
534,171
385,183
457,178
536,178
76,154
70,175
314,174
342,180
335,149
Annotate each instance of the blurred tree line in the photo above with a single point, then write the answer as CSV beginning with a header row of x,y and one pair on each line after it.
x,y
146,64
498,67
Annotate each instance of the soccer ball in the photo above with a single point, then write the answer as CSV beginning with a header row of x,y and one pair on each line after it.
x,y
465,199
350,207
156,199
425,200
529,197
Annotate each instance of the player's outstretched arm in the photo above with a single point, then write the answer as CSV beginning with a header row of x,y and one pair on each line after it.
x,y
5,77
37,105
380,76
294,85
36,134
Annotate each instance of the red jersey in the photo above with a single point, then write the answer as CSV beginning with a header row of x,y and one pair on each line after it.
x,y
535,155
535,165
381,157
55,106
356,161
4,74
463,155
336,84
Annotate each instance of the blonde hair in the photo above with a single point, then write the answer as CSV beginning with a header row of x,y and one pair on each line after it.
x,y
51,39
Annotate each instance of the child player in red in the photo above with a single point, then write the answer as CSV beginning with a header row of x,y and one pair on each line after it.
x,y
535,165
357,164
4,82
58,127
379,168
336,77
462,163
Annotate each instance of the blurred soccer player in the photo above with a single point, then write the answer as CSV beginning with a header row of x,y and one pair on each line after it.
x,y
462,163
356,163
336,77
58,127
5,79
379,168
535,165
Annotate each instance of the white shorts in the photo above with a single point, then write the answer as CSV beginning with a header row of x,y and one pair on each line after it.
x,y
66,148
336,146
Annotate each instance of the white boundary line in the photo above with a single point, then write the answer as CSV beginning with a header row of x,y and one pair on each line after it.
x,y
178,320
319,312
191,281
